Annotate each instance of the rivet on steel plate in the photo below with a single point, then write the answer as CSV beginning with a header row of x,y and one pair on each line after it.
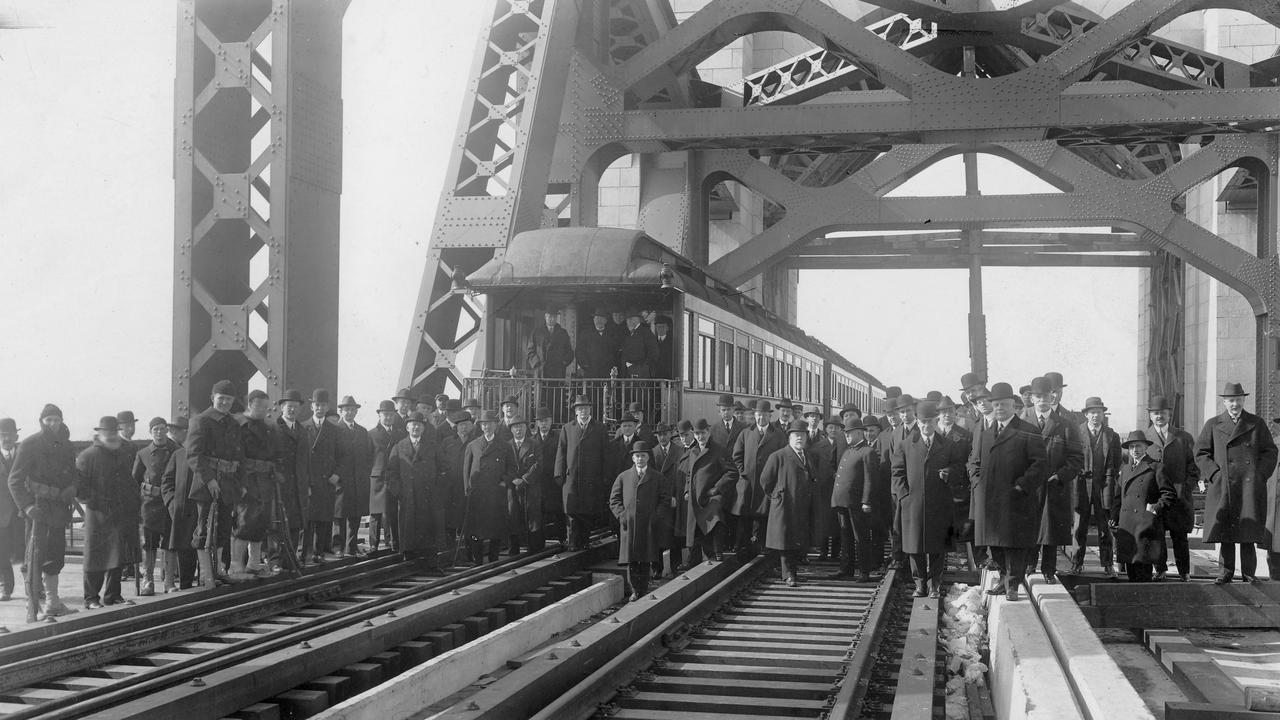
x,y
391,613
652,596
197,682
455,592
614,619
552,656
472,705
574,643
305,645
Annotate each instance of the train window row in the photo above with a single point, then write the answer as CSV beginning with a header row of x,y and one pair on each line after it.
x,y
726,359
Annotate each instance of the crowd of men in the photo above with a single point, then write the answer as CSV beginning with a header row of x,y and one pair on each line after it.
x,y
618,344
1017,477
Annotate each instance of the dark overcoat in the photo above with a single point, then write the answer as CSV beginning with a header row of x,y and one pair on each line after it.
x,y
488,467
597,353
148,470
524,503
635,501
925,505
1101,481
856,479
750,453
549,353
44,475
552,503
213,437
667,463
414,479
1005,475
382,441
111,507
1063,460
709,479
453,449
960,488
8,507
727,437
356,451
882,502
1235,461
637,353
175,486
326,461
259,474
1139,534
1176,453
582,459
294,464
788,483
822,519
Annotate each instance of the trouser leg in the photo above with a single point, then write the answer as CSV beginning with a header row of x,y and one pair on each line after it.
x,y
1227,558
111,587
787,564
1140,572
1248,559
1080,522
1048,560
919,567
1106,539
93,585
353,535
1015,564
188,565
848,563
638,577
375,531
895,534
8,546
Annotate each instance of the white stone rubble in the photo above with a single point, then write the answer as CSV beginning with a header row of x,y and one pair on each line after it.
x,y
963,635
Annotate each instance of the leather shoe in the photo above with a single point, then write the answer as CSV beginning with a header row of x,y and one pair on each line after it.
x,y
919,591
997,590
1160,577
1251,579
862,577
790,581
1222,580
1012,595
1184,577
634,597
1050,579
93,605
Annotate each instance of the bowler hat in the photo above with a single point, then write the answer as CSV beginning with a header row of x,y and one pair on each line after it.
x,y
544,413
725,401
701,425
8,425
386,406
1137,436
490,416
892,391
970,379
850,407
510,400
125,416
934,396
1001,391
1158,402
628,418
856,424
635,407
415,417
579,401
1233,389
641,446
320,395
685,426
869,421
156,422
460,417
403,394
926,410
180,422
663,428
799,426
1055,379
1041,386
785,403
293,396
518,420
348,401
904,401
108,422
1093,403
834,420
764,406
947,403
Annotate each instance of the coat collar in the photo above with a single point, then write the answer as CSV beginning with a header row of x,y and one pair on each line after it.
x,y
1234,430
1130,472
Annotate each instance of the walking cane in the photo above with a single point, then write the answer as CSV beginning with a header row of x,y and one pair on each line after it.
x,y
461,536
282,519
34,575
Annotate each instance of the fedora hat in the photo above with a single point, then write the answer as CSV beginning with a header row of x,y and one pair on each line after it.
x,y
1233,389
850,407
510,400
1001,391
815,410
725,401
701,425
1041,386
855,424
490,416
108,422
628,418
869,421
1055,379
291,396
518,420
348,401
904,401
320,395
970,379
386,406
1093,403
125,416
1158,402
641,446
1137,436
403,394
798,426
579,401
544,413
946,403
784,403
663,428
415,417
834,420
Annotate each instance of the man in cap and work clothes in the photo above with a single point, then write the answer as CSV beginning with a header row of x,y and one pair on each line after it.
x,y
923,468
148,471
1095,487
597,354
750,453
11,526
1145,495
725,432
1175,450
488,467
1064,457
787,480
352,501
324,481
1235,455
252,518
637,496
175,484
549,351
214,454
669,527
415,477
382,504
524,494
582,461
43,482
708,491
1006,469
851,499
293,462
111,509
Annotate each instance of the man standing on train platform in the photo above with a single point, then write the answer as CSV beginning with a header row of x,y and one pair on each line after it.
x,y
962,438
552,503
967,415
510,411
148,472
620,445
12,541
549,351
324,480
636,497
750,502
891,395
1175,449
786,413
787,480
638,351
1058,385
669,527
524,495
725,431
881,490
851,498
111,510
414,475
488,469
582,463
352,501
214,453
1095,489
440,414
923,468
823,532
471,407
597,353
1235,455
743,415
180,560
128,424
294,464
453,450
905,411
665,367
252,514
43,482
708,490
382,504
1006,469
1064,457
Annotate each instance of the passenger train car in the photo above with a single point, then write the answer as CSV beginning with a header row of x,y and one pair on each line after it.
x,y
724,342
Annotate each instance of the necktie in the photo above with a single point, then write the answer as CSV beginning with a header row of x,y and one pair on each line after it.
x,y
928,443
1041,422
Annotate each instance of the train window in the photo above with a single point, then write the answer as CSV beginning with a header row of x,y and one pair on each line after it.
x,y
706,362
757,374
706,326
725,379
689,362
743,378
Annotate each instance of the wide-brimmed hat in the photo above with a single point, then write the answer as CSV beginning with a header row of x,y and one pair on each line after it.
x,y
784,403
970,379
415,417
628,418
579,401
834,420
850,407
1093,403
904,401
663,428
725,401
868,421
856,424
348,401
1137,436
1158,402
815,410
799,426
292,396
108,422
1001,391
1233,389
518,420
947,403
386,406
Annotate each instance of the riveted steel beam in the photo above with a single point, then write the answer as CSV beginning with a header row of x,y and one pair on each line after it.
x,y
257,178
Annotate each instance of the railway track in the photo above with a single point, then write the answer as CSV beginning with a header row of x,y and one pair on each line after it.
x,y
222,654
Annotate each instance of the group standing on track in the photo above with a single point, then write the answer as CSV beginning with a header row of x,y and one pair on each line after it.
x,y
1018,477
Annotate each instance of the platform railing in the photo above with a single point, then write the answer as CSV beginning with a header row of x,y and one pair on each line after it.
x,y
609,397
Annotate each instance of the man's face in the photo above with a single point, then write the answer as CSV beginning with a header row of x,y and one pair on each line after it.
x,y
320,409
1028,399
908,415
849,416
853,437
518,431
402,406
628,429
1137,451
619,318
726,413
386,418
1003,408
544,425
222,403
741,415
815,421
159,433
110,437
289,410
583,413
664,438
52,424
464,428
639,416
415,429
550,318
177,434
599,321
425,407
872,432
348,413
984,405
796,440
633,322
1042,401
946,415
1094,416
928,427
762,418
640,459
784,415
702,436
487,427
1234,405
8,440
662,329
834,430
509,410
895,417
1159,418
127,429
258,408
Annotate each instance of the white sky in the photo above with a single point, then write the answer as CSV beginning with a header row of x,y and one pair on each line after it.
x,y
86,227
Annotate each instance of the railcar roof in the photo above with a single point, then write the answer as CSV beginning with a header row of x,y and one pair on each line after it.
x,y
587,256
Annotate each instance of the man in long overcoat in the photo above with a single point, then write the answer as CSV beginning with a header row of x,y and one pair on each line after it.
x,y
788,480
111,510
351,503
1175,450
582,459
326,461
1146,493
1235,455
415,477
548,440
488,467
668,535
851,498
214,453
175,485
294,465
637,350
597,353
453,448
382,504
524,495
1095,487
11,539
635,499
1063,459
725,431
924,466
549,351
709,486
752,450
1006,469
